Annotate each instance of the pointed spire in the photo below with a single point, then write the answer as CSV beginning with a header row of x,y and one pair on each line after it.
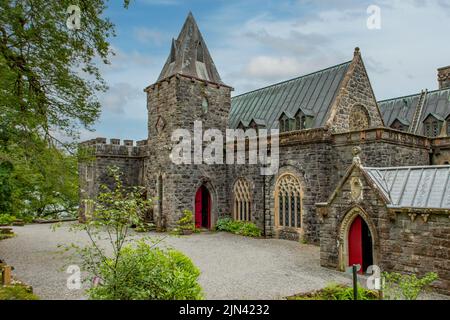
x,y
189,55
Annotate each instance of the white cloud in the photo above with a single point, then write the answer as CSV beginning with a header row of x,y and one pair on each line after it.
x,y
152,36
273,67
118,96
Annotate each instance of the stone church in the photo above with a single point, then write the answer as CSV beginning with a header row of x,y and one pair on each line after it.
x,y
368,180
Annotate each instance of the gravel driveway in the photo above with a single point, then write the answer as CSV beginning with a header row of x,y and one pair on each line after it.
x,y
233,267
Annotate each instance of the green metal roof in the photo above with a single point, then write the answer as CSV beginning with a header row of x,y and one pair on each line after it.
x,y
399,108
436,103
313,93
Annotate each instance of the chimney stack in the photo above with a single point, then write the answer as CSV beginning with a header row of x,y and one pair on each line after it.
x,y
444,77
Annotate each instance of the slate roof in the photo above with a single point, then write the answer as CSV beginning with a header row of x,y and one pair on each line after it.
x,y
414,187
435,102
183,55
314,93
399,108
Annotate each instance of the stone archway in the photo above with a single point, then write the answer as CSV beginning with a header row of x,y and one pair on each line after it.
x,y
343,236
211,202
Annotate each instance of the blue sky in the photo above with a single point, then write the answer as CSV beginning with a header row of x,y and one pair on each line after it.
x,y
255,43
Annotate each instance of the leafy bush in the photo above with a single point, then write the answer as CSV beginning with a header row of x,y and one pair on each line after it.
x,y
148,273
186,222
238,227
7,219
405,287
337,292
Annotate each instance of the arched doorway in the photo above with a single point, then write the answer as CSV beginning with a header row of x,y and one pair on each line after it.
x,y
203,208
360,244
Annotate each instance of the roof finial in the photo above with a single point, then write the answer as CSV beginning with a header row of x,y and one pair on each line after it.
x,y
357,51
356,155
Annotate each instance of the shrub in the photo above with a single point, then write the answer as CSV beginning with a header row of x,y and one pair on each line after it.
x,y
16,292
148,273
186,222
405,287
337,292
238,227
6,219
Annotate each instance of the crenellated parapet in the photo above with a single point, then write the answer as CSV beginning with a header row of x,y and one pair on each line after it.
x,y
116,147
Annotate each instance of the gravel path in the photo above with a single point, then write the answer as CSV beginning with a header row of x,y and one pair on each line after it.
x,y
233,267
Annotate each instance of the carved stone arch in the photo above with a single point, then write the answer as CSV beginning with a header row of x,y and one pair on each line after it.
x,y
242,199
359,118
288,203
343,231
204,180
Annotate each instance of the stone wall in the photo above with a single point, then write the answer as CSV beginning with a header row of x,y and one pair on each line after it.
x,y
128,157
419,247
381,147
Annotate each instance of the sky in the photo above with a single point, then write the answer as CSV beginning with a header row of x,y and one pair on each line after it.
x,y
255,43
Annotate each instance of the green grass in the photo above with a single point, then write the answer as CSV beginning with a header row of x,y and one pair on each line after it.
x,y
16,292
336,292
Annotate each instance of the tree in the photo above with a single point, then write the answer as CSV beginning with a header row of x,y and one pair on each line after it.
x,y
49,79
49,74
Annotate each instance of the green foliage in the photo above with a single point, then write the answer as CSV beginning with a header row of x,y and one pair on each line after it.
x,y
49,80
6,168
337,292
6,219
238,227
44,185
16,292
405,287
148,273
186,222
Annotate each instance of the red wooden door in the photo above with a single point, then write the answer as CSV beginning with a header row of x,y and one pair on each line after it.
x,y
209,210
355,245
198,208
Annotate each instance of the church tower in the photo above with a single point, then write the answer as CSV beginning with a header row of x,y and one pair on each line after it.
x,y
188,89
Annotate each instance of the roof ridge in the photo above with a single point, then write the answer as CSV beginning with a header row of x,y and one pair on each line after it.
x,y
398,98
408,167
412,95
292,79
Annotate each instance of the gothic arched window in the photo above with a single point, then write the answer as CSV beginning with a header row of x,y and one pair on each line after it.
x,y
359,118
288,197
242,201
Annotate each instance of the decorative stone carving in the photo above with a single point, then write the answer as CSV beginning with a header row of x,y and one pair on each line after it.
x,y
356,158
425,217
412,216
356,189
160,125
359,118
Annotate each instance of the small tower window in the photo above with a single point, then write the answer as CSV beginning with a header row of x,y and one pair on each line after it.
x,y
200,53
205,105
